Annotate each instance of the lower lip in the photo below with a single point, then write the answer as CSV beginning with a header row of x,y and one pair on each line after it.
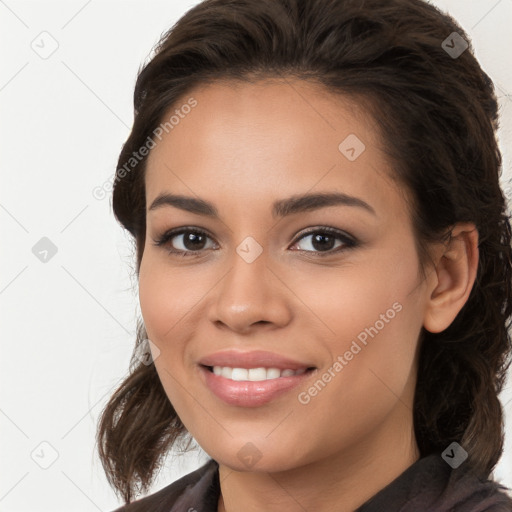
x,y
247,393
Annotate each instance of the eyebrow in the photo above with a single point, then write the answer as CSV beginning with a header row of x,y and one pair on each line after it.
x,y
280,208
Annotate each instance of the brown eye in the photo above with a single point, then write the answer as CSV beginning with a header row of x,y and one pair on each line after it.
x,y
188,241
323,240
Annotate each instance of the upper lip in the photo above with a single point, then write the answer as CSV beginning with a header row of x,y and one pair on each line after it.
x,y
253,359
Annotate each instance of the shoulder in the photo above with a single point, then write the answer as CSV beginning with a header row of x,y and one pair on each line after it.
x,y
475,495
432,485
196,488
466,492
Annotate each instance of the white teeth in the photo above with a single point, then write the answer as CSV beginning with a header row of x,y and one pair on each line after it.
x,y
239,374
273,373
257,374
254,374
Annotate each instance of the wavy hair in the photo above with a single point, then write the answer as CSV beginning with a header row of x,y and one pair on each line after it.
x,y
438,115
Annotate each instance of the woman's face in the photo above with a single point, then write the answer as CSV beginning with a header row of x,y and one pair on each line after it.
x,y
263,275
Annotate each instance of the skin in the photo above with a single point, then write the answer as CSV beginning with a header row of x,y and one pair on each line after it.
x,y
242,147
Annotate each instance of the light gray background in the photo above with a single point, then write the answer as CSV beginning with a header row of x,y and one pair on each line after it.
x,y
68,325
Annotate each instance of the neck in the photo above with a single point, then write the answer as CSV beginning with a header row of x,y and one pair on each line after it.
x,y
341,482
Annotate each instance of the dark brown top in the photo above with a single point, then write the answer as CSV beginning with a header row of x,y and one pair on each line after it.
x,y
429,485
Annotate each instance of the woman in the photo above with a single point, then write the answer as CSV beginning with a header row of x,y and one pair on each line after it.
x,y
361,375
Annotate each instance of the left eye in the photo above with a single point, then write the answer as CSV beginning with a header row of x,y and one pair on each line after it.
x,y
322,240
193,241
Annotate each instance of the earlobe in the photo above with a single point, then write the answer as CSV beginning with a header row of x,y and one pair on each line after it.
x,y
455,274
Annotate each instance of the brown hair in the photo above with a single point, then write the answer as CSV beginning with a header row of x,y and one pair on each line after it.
x,y
438,115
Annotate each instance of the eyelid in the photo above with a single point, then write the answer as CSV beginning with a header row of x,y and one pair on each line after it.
x,y
325,229
348,241
168,235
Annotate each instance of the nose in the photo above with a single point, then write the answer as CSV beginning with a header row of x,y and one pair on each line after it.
x,y
250,294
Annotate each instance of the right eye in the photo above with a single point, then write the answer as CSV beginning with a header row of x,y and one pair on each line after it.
x,y
192,241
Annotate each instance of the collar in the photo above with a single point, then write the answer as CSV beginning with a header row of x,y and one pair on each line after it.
x,y
428,484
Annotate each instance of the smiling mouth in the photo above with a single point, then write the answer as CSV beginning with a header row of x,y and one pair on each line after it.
x,y
255,374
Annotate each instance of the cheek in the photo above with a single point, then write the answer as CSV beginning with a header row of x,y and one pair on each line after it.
x,y
344,301
154,301
372,315
373,360
165,301
166,297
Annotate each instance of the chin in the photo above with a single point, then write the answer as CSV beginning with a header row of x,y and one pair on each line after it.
x,y
254,456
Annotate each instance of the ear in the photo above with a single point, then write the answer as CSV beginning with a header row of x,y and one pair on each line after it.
x,y
455,273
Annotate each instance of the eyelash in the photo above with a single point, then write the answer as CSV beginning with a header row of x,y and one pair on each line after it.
x,y
348,241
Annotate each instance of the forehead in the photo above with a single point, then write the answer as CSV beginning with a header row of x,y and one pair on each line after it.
x,y
247,141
